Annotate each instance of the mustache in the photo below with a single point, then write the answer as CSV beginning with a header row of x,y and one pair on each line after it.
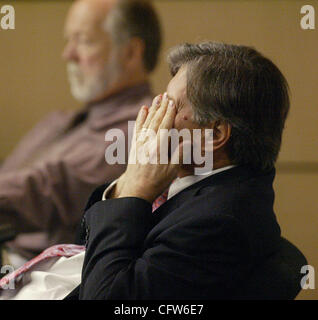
x,y
73,68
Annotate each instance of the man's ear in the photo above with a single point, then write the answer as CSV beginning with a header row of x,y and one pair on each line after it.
x,y
221,134
134,53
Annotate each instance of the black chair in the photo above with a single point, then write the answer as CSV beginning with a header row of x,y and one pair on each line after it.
x,y
278,278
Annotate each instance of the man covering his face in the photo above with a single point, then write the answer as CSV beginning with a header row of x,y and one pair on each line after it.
x,y
188,236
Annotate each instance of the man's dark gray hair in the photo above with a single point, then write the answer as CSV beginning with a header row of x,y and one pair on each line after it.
x,y
236,84
136,18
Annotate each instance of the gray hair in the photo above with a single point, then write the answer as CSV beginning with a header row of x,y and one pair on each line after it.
x,y
136,18
238,85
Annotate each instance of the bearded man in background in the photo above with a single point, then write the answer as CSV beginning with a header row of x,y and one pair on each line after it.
x,y
112,46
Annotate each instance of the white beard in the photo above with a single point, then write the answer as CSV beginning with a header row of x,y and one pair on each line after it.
x,y
87,89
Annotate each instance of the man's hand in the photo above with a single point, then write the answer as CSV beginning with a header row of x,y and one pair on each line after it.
x,y
148,178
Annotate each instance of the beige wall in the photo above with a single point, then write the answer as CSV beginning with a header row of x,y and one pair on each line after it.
x,y
33,82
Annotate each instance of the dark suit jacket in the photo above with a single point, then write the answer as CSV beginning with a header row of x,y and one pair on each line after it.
x,y
201,244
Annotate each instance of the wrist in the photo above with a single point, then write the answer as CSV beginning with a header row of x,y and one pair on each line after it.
x,y
136,193
138,190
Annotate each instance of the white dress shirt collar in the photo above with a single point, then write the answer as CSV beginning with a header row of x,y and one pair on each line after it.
x,y
182,183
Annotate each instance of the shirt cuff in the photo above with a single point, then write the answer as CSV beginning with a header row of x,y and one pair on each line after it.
x,y
108,189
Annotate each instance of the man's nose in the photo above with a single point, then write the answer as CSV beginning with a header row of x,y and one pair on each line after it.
x,y
70,52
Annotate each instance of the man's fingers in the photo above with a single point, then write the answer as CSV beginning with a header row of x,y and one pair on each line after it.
x,y
169,117
141,117
154,107
157,118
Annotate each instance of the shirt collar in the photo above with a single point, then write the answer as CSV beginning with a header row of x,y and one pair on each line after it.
x,y
180,184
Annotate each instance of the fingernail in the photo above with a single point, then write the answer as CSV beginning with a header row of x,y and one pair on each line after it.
x,y
170,105
165,95
144,108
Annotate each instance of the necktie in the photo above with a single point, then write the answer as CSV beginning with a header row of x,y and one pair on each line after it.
x,y
62,250
160,200
59,250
